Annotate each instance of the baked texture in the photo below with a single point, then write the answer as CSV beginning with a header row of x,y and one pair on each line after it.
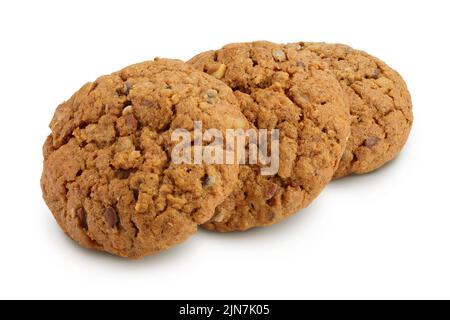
x,y
287,88
108,177
380,106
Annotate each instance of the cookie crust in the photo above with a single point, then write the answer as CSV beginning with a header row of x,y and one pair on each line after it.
x,y
108,177
287,88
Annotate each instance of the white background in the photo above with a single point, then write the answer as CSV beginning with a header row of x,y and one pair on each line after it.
x,y
383,235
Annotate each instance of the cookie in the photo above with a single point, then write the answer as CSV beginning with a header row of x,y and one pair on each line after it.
x,y
380,106
108,175
287,88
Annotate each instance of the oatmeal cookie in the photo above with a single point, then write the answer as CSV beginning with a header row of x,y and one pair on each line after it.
x,y
380,106
108,177
288,88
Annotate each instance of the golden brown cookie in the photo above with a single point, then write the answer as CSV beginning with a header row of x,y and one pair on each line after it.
x,y
380,105
287,88
108,177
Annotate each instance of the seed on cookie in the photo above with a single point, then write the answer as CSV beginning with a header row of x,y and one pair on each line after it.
x,y
111,217
81,214
127,110
129,86
279,55
371,142
125,89
131,121
376,73
148,103
270,190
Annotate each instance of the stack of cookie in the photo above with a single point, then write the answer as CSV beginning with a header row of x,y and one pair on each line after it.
x,y
112,182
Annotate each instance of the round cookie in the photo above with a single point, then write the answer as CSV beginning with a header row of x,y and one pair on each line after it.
x,y
108,177
380,106
290,89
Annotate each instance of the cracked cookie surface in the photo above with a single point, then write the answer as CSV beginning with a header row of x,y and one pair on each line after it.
x,y
108,177
380,107
287,88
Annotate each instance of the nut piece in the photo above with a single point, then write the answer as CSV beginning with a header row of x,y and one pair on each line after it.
x,y
279,55
218,217
220,72
211,95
